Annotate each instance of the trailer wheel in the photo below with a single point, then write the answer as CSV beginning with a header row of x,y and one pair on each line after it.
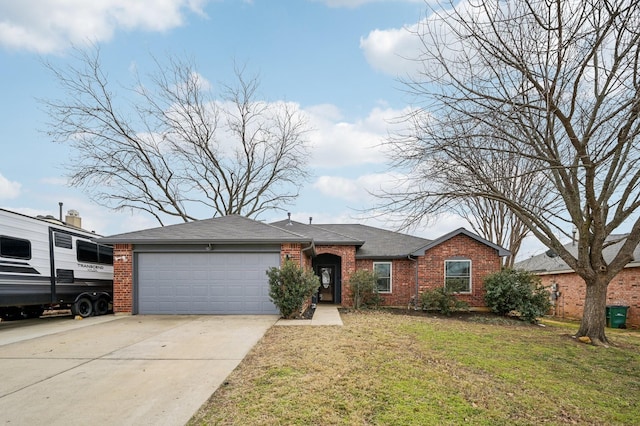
x,y
101,306
83,307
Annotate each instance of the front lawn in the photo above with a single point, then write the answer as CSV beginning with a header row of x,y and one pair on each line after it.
x,y
388,369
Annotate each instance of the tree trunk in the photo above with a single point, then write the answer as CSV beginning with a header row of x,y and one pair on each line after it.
x,y
594,314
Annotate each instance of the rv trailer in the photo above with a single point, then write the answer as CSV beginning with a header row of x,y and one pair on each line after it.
x,y
47,264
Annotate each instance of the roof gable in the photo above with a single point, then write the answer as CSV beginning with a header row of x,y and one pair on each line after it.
x,y
462,231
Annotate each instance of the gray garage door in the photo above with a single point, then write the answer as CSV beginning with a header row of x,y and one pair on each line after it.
x,y
204,283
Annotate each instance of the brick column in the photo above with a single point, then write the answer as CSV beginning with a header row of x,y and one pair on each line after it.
x,y
293,251
123,278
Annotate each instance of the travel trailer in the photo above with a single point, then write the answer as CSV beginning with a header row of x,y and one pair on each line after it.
x,y
46,263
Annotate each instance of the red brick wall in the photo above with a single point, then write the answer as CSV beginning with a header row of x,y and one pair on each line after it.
x,y
293,251
624,290
348,255
403,280
484,261
122,278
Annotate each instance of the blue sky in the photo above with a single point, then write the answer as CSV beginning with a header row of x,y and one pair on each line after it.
x,y
338,60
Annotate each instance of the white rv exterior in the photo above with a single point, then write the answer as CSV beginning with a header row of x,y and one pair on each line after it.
x,y
47,264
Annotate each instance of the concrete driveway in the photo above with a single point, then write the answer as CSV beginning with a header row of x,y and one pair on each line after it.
x,y
125,370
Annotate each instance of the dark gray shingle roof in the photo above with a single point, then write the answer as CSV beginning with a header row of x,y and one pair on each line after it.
x,y
378,243
231,229
320,235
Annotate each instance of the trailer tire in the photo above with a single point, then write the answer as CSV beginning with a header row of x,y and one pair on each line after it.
x,y
101,306
83,307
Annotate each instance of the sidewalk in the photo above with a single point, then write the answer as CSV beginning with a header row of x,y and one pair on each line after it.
x,y
324,315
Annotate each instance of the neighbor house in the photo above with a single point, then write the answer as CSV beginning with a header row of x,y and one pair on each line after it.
x,y
568,300
217,266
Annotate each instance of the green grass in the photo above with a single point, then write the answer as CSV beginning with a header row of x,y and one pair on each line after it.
x,y
382,368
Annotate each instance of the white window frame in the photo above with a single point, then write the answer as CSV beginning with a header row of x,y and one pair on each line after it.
x,y
390,276
470,274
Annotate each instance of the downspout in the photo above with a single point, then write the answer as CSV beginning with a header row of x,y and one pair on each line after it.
x,y
415,301
312,247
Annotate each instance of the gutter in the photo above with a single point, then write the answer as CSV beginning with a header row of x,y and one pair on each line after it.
x,y
312,247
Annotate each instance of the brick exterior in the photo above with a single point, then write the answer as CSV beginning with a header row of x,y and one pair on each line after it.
x,y
403,280
123,278
484,261
624,290
348,256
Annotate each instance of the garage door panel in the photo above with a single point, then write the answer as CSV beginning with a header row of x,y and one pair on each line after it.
x,y
204,283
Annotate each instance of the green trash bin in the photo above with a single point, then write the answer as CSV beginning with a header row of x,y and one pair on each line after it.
x,y
617,316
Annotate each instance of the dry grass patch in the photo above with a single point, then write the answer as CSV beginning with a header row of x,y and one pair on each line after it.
x,y
382,368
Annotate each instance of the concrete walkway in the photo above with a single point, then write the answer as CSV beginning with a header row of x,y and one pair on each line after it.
x,y
324,315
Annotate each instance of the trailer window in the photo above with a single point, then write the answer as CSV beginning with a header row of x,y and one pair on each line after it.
x,y
105,255
94,253
87,252
15,248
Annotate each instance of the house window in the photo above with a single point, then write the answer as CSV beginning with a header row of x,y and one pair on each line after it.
x,y
383,273
457,276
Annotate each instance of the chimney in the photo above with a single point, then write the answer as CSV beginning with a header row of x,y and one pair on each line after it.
x,y
60,205
310,219
73,219
289,216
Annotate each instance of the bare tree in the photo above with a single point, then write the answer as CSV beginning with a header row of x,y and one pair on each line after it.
x,y
555,83
496,223
170,148
433,184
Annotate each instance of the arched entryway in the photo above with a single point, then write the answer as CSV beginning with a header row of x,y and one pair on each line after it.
x,y
329,268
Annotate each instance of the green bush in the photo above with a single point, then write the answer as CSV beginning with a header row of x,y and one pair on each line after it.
x,y
510,291
441,300
290,286
363,285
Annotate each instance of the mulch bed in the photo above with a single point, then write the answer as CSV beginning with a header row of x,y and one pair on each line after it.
x,y
470,316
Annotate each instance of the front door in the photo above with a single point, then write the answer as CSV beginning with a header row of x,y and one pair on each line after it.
x,y
327,283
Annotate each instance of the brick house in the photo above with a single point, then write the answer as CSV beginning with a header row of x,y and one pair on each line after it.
x,y
623,290
218,265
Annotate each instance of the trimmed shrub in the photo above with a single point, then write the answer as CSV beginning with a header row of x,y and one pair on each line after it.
x,y
521,292
290,286
441,300
363,285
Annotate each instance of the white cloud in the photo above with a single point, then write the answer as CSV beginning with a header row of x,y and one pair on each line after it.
x,y
9,189
338,143
359,189
392,51
47,26
400,51
56,181
352,4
